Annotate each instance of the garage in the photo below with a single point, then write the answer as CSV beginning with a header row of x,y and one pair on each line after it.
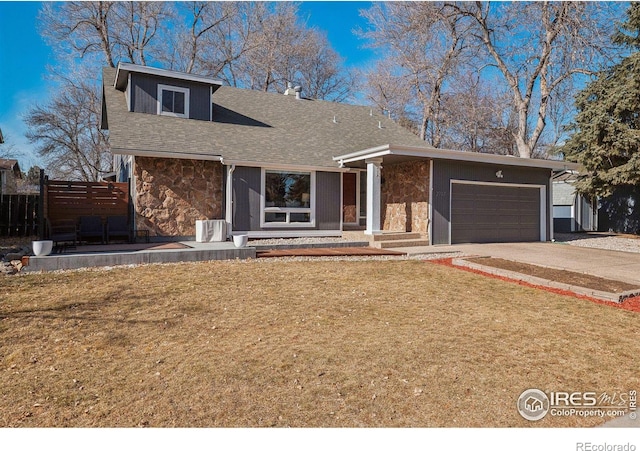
x,y
493,212
461,197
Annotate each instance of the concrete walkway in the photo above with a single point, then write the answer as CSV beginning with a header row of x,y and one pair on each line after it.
x,y
616,265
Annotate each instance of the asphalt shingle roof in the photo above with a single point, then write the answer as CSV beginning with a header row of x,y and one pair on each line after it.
x,y
254,126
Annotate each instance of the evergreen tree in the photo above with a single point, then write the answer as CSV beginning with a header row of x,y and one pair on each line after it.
x,y
606,138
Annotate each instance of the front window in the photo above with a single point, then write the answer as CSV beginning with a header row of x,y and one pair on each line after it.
x,y
173,101
287,198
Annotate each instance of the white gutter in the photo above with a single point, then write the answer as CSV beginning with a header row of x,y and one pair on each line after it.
x,y
159,154
225,161
291,167
362,152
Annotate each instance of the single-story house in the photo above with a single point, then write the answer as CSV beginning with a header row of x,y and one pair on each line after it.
x,y
572,212
10,173
274,165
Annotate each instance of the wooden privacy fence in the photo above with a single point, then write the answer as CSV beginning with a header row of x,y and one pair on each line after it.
x,y
67,200
19,214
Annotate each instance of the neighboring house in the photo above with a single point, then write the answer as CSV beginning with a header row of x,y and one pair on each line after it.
x,y
572,212
10,173
274,165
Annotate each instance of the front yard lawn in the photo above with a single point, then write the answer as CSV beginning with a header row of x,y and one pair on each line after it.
x,y
303,344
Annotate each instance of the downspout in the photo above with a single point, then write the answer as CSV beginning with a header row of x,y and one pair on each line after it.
x,y
229,200
549,208
133,193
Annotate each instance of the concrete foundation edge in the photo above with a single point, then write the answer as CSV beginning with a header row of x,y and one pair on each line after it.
x,y
62,262
602,295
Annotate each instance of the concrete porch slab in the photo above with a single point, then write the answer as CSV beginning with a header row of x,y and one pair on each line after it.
x,y
193,252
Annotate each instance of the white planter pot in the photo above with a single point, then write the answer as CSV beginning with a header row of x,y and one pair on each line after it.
x,y
240,240
42,248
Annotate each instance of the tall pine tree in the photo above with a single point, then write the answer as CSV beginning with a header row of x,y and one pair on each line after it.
x,y
606,131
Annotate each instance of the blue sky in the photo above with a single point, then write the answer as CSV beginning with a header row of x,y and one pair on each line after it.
x,y
24,57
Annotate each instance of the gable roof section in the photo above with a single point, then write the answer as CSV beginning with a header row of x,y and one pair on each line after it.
x,y
124,69
252,128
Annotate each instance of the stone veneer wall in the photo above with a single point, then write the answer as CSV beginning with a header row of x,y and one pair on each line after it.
x,y
405,197
171,194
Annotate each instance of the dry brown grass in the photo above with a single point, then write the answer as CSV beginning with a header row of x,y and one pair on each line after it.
x,y
313,344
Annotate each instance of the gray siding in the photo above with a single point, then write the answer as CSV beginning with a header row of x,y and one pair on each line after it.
x,y
328,208
246,198
144,95
444,171
247,185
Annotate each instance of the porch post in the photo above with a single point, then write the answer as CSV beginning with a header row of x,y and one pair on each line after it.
x,y
229,199
374,167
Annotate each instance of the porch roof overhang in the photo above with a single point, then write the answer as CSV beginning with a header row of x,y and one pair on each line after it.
x,y
394,153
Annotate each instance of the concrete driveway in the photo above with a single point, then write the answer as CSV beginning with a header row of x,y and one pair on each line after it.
x,y
616,265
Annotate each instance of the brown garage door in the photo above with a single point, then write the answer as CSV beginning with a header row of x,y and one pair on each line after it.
x,y
494,213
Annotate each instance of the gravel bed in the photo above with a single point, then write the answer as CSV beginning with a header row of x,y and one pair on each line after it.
x,y
610,243
295,241
338,258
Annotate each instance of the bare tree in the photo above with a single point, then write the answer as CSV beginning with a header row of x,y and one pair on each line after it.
x,y
194,28
477,117
135,25
110,31
322,73
424,45
79,29
281,49
210,38
383,88
67,132
536,47
276,39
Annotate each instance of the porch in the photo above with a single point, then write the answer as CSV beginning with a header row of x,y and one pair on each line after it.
x,y
119,254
